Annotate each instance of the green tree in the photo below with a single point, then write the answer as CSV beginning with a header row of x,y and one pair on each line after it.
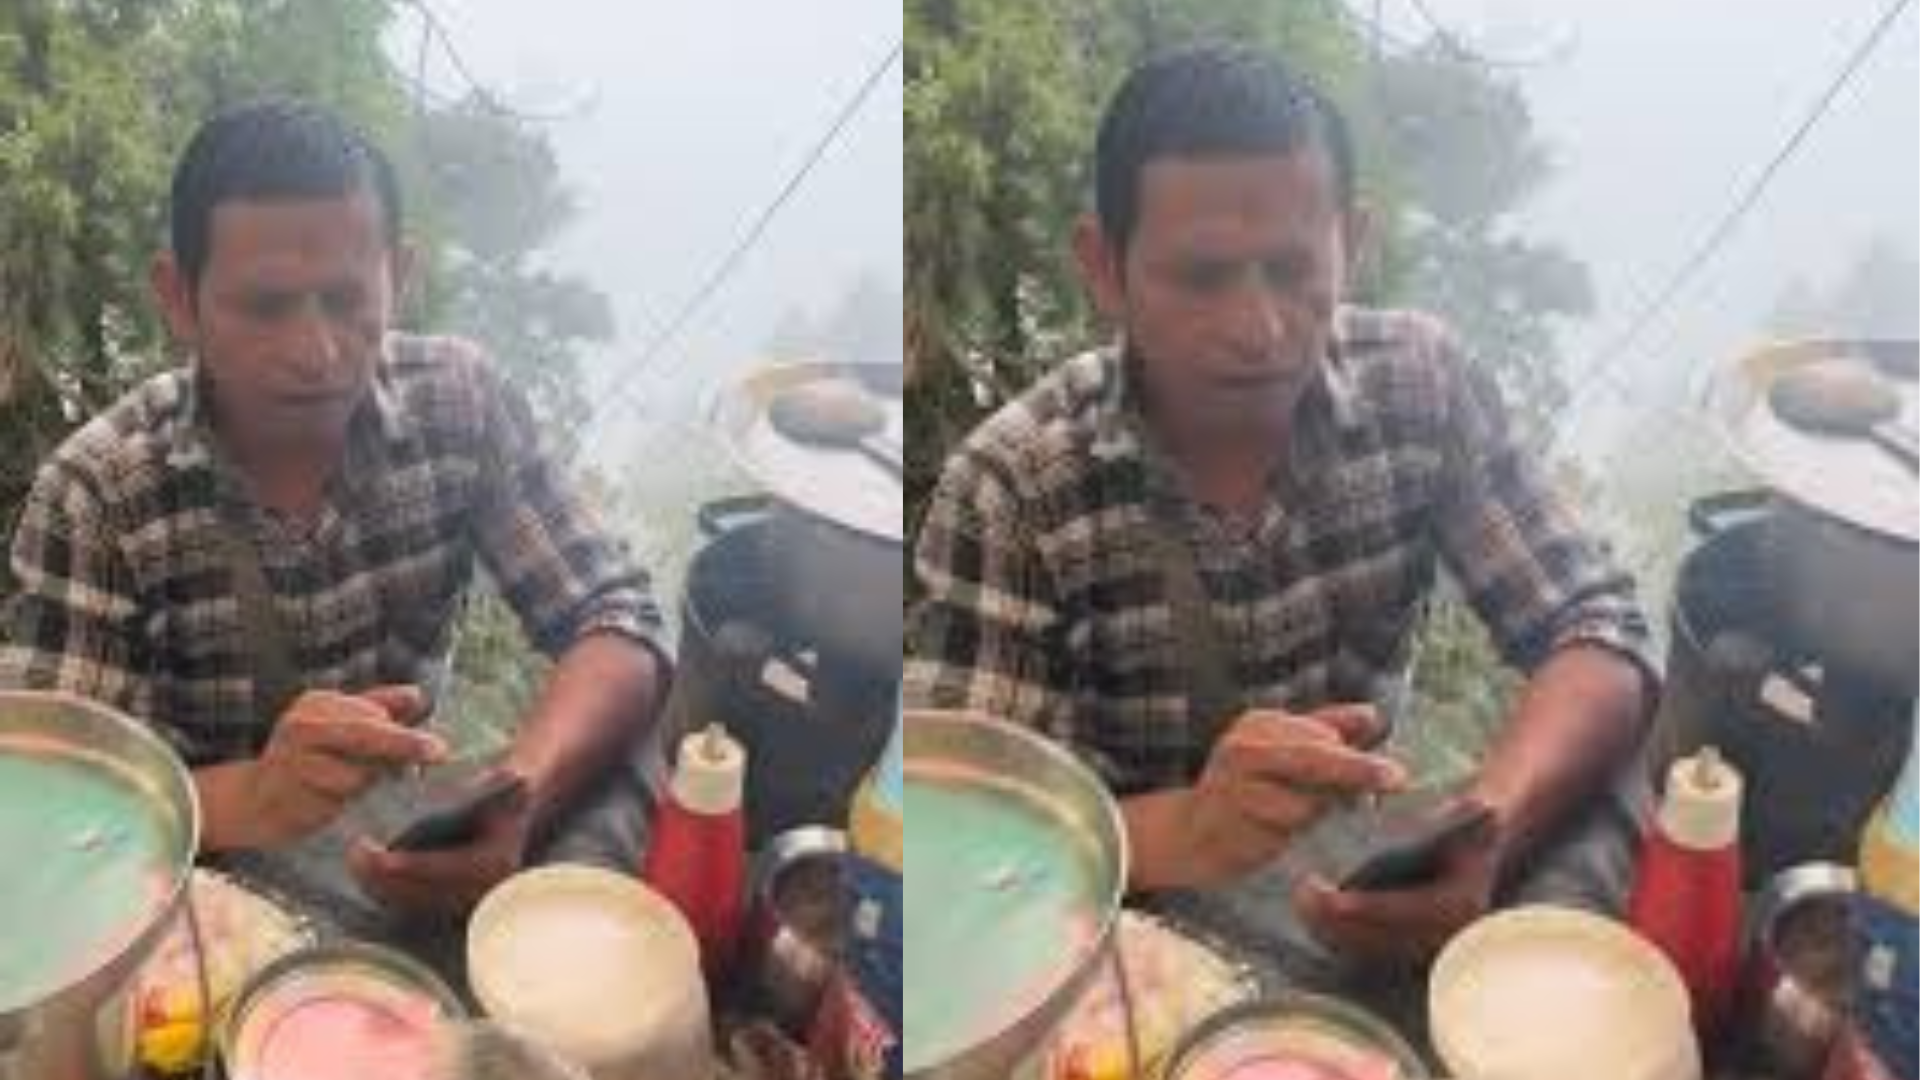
x,y
96,99
1002,97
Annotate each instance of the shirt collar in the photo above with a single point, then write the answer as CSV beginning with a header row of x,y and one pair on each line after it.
x,y
1119,430
194,444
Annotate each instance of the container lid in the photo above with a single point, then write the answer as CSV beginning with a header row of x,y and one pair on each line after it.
x,y
1543,991
596,965
1851,479
346,1009
1321,1037
842,486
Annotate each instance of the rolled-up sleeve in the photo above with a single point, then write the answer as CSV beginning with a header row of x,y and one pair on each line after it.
x,y
563,573
1537,577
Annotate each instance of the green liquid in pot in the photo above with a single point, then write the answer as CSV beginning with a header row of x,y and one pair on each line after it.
x,y
85,862
1002,903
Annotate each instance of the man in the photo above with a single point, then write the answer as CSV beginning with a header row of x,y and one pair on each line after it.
x,y
261,554
1197,557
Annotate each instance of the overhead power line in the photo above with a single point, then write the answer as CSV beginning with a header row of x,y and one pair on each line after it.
x,y
617,392
1455,42
477,89
1599,368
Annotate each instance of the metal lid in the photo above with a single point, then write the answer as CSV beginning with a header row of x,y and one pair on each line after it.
x,y
1851,479
840,486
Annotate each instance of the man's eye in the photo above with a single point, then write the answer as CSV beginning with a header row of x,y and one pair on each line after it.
x,y
342,303
270,306
1286,272
1208,277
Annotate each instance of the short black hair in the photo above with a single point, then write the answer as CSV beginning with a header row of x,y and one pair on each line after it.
x,y
1209,100
275,148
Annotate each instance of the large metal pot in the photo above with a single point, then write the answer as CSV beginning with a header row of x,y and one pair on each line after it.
x,y
83,1028
1846,594
835,587
1815,755
836,534
1844,515
1006,764
811,723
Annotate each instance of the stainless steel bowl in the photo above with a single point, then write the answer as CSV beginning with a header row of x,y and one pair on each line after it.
x,y
85,1029
1013,762
1798,979
795,932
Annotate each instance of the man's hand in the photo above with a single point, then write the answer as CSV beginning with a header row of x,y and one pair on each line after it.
x,y
327,748
452,880
1404,926
1272,774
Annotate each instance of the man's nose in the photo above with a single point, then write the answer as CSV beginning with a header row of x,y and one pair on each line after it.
x,y
317,349
1258,319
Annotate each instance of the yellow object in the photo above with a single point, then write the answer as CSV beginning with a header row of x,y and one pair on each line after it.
x,y
175,1047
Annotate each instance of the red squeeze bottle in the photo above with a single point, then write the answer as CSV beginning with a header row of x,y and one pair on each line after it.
x,y
698,855
1686,898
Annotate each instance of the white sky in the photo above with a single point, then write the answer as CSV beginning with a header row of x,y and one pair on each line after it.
x,y
1658,113
1661,114
699,112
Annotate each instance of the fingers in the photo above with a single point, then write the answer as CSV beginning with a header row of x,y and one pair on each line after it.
x,y
388,878
357,729
404,703
1359,724
1398,925
333,778
450,881
1303,752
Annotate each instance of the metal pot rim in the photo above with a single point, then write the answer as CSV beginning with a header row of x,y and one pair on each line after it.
x,y
188,797
965,1061
836,487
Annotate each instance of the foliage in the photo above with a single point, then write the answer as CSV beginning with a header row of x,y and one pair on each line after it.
x,y
96,99
1002,99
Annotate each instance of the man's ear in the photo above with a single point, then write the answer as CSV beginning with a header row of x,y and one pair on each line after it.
x,y
404,266
1101,267
173,292
1357,236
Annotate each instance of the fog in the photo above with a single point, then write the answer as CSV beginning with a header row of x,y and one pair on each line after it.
x,y
1660,114
675,126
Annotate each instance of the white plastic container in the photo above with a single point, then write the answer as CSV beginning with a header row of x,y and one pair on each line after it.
x,y
596,966
1541,991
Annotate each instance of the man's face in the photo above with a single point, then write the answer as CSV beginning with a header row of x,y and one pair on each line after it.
x,y
290,312
1227,288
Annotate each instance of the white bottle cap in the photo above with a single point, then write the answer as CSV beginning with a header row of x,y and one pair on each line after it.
x,y
1701,810
712,771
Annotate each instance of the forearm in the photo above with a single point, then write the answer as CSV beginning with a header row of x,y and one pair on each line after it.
x,y
1578,718
226,820
603,693
1159,852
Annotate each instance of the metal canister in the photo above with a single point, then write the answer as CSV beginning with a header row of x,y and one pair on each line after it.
x,y
1295,1036
338,1010
858,1028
